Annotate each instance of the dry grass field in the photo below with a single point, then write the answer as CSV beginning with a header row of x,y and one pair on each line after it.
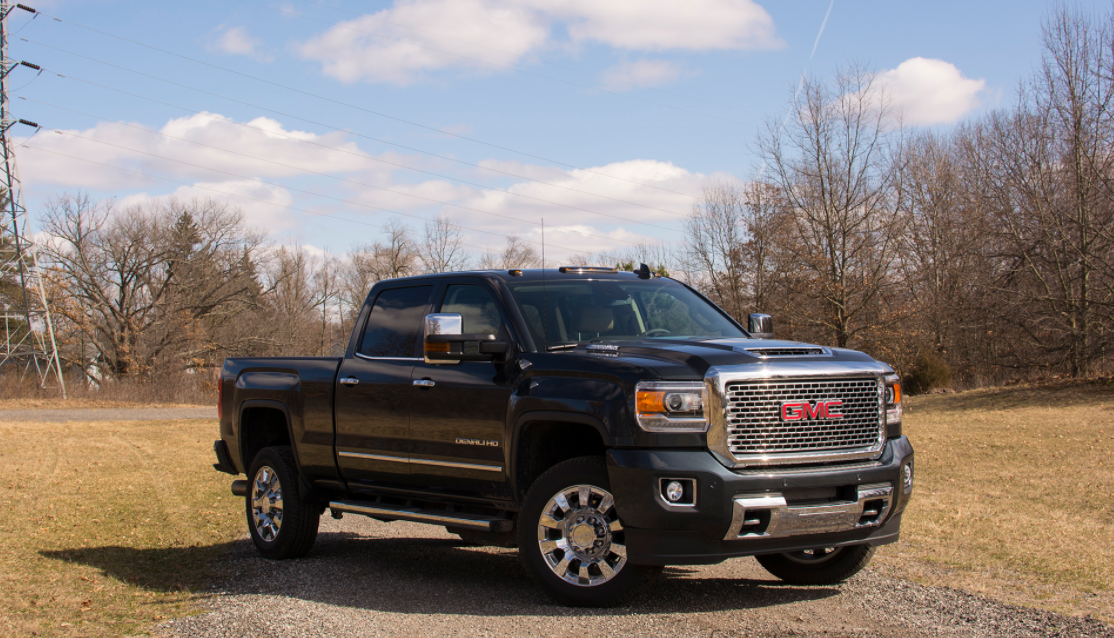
x,y
1014,496
110,527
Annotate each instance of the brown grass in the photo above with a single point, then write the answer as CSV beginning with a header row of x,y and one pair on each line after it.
x,y
1014,496
108,527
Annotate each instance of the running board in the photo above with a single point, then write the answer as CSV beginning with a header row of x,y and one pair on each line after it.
x,y
444,517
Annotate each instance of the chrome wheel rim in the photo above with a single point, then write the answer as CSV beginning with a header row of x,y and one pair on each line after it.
x,y
266,503
814,556
580,536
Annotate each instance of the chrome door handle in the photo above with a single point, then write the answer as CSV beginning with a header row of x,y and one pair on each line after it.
x,y
349,381
424,383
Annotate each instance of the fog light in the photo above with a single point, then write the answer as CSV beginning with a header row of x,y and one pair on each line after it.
x,y
674,491
677,492
907,476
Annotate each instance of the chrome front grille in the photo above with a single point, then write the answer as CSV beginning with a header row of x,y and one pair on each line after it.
x,y
756,430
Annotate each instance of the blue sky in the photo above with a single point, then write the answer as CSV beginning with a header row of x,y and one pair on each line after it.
x,y
602,117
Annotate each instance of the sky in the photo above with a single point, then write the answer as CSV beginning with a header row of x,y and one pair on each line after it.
x,y
324,120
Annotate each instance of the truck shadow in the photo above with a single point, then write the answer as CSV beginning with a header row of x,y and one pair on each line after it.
x,y
425,576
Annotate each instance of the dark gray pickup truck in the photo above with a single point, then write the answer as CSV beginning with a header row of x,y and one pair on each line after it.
x,y
606,423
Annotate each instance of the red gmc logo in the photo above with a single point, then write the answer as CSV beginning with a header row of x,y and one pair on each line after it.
x,y
805,411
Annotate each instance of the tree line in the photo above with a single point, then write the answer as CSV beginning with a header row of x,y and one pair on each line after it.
x,y
983,251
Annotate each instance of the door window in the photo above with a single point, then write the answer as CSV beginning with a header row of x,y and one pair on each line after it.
x,y
477,309
395,322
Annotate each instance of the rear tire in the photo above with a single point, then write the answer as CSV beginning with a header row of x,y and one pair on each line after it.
x,y
282,524
820,566
571,540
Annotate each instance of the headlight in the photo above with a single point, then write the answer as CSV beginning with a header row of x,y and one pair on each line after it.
x,y
670,406
892,399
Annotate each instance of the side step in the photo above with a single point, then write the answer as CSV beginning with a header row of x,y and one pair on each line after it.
x,y
446,517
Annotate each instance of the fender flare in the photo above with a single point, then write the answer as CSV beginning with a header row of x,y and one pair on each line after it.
x,y
545,415
273,405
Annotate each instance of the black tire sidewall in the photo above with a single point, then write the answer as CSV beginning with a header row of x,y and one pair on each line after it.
x,y
839,568
300,519
629,581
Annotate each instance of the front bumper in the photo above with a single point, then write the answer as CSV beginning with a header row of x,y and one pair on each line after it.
x,y
713,528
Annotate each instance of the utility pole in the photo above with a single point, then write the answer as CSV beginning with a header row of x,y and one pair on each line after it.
x,y
29,346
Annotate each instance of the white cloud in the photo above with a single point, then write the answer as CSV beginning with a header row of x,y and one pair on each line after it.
x,y
381,47
612,225
237,41
263,206
629,75
123,145
414,37
926,91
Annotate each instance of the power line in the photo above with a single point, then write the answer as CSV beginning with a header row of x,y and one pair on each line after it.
x,y
265,182
493,64
297,168
361,135
354,106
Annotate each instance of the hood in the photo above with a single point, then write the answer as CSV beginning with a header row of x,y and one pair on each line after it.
x,y
691,358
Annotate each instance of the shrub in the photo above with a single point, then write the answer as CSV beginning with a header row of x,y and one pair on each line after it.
x,y
929,373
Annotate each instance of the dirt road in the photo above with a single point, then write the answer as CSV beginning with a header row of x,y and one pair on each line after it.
x,y
366,578
63,415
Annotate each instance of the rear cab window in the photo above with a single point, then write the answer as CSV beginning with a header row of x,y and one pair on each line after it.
x,y
395,324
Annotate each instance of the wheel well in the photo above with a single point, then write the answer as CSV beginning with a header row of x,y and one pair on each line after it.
x,y
543,444
260,428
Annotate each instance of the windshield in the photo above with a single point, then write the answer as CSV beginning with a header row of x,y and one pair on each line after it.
x,y
583,311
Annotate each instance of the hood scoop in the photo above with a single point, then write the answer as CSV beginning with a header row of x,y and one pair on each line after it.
x,y
796,351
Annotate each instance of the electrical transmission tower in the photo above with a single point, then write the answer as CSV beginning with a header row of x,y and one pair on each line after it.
x,y
29,347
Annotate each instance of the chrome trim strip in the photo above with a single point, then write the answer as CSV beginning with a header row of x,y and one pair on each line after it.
x,y
420,517
463,466
374,457
716,407
364,356
399,459
787,521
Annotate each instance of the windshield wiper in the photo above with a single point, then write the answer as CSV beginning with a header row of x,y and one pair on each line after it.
x,y
567,346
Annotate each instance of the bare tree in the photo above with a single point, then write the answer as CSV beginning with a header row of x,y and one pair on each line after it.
x,y
442,247
1053,193
515,254
832,166
149,282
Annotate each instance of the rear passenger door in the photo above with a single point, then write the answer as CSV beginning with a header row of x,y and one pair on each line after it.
x,y
458,415
373,390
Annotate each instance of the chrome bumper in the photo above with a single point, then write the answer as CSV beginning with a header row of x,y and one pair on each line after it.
x,y
770,516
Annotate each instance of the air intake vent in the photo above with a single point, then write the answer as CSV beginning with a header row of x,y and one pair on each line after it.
x,y
787,352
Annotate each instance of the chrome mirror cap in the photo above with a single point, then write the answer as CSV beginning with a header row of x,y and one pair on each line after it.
x,y
760,326
444,323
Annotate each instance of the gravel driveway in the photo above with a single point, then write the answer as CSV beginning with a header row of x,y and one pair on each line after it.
x,y
107,414
366,578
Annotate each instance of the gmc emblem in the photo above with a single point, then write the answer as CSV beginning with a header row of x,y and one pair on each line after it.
x,y
805,411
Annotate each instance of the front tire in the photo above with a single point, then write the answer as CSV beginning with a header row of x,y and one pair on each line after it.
x,y
282,524
571,539
820,566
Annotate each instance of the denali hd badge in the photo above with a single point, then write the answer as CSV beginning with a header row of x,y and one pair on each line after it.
x,y
805,411
477,442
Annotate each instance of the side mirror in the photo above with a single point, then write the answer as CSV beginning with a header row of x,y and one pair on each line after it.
x,y
760,326
444,343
